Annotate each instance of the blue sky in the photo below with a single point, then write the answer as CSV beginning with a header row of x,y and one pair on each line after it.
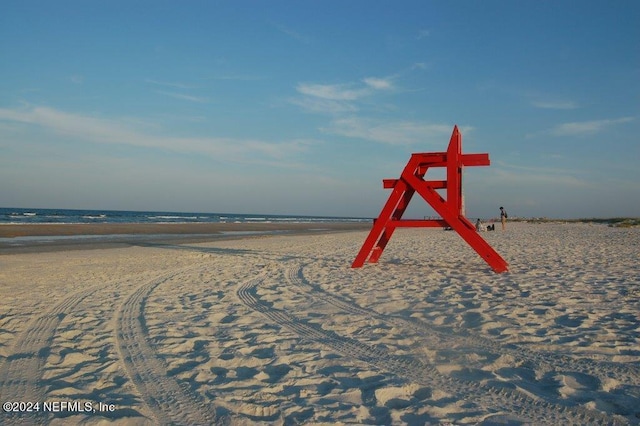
x,y
288,107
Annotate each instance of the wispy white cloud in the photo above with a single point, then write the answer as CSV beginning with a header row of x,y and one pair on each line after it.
x,y
545,100
346,92
389,132
177,95
123,132
378,83
182,96
341,101
554,104
533,97
334,92
291,33
587,127
339,98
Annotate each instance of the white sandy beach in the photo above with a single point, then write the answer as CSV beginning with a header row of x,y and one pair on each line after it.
x,y
280,330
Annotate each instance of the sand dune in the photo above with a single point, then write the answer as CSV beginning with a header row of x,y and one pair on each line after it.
x,y
280,330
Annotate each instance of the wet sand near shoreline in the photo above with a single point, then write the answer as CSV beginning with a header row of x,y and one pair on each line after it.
x,y
11,230
16,238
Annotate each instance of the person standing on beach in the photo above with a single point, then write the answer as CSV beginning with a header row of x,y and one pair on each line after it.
x,y
503,217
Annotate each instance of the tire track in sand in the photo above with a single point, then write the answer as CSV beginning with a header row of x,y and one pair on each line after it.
x,y
21,373
415,370
441,340
437,339
170,401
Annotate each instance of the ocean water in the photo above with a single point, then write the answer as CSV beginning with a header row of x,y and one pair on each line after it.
x,y
29,216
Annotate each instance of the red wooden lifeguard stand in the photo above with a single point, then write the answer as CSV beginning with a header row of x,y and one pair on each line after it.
x,y
450,210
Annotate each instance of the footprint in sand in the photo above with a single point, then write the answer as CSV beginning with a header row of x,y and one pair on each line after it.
x,y
570,320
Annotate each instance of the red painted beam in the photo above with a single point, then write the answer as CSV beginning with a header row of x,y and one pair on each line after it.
x,y
419,223
450,210
437,184
389,183
475,160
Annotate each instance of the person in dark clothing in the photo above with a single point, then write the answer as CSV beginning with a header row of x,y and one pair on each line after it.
x,y
503,217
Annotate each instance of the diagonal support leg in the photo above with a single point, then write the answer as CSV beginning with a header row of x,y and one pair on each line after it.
x,y
381,230
390,229
461,225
